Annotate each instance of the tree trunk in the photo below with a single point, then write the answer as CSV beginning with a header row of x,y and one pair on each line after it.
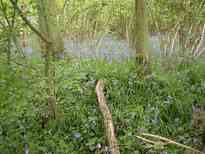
x,y
46,22
141,32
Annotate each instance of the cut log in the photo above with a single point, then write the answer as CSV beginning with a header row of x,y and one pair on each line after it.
x,y
107,118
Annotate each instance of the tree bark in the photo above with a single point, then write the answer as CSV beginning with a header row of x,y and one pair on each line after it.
x,y
46,20
107,118
141,32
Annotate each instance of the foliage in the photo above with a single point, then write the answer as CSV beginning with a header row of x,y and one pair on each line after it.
x,y
160,104
166,102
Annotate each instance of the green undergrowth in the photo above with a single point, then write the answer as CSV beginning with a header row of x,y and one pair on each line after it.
x,y
161,104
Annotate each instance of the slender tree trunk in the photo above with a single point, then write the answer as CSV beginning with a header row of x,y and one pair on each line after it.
x,y
46,21
182,36
141,33
9,51
55,27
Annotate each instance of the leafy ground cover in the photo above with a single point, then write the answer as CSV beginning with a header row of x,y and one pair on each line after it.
x,y
164,103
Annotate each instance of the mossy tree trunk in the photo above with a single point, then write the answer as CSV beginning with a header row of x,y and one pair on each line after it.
x,y
141,33
47,23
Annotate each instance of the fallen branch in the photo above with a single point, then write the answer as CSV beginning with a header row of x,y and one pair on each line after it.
x,y
166,141
107,118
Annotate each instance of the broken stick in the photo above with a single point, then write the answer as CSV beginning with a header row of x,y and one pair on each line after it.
x,y
107,118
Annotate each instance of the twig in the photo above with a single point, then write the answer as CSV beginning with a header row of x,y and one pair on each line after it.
x,y
28,22
146,140
168,141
